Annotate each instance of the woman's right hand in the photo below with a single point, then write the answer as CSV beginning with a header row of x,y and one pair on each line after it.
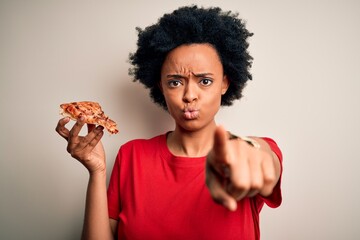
x,y
88,149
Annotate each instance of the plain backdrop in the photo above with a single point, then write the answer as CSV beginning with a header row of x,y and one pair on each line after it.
x,y
304,94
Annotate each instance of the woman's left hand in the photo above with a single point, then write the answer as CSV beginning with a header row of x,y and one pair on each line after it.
x,y
235,169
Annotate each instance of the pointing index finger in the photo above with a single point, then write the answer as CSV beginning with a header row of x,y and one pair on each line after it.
x,y
218,157
220,144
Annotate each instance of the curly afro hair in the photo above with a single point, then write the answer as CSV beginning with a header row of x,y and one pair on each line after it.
x,y
188,25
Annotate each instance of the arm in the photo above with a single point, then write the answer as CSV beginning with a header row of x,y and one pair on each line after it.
x,y
97,222
235,169
89,151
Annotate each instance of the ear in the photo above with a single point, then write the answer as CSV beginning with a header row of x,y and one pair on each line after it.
x,y
224,85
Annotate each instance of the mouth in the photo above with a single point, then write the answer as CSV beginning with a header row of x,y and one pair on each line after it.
x,y
190,113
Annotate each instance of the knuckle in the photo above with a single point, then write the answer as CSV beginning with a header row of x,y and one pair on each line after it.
x,y
256,185
270,178
69,149
256,160
83,141
79,123
235,192
71,134
267,191
266,157
76,155
241,185
231,160
59,129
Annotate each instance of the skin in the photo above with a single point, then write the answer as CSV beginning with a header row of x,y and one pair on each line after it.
x,y
192,81
89,151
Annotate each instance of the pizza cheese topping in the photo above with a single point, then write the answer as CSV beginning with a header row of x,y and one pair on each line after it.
x,y
92,113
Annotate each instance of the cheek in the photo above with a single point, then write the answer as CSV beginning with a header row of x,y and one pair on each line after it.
x,y
215,95
171,99
213,102
169,96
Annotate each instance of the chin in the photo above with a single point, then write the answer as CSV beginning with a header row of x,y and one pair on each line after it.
x,y
191,125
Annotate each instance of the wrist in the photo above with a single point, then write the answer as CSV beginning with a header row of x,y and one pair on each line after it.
x,y
97,173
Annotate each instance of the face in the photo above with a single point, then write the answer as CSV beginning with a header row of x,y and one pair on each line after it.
x,y
192,81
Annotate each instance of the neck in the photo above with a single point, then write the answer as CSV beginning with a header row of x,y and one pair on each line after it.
x,y
191,143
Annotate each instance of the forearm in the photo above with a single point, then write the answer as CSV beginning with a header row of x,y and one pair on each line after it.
x,y
96,222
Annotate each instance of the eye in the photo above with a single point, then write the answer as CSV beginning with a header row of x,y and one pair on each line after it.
x,y
174,83
206,82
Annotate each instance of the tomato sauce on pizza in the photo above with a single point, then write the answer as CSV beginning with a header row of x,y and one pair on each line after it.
x,y
92,113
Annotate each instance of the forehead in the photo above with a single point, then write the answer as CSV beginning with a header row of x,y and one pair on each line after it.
x,y
195,58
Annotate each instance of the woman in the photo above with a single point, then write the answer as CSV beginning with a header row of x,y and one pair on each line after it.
x,y
197,181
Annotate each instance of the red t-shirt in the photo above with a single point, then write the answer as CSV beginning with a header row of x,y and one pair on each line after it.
x,y
156,195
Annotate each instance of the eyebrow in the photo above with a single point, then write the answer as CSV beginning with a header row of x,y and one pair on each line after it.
x,y
182,76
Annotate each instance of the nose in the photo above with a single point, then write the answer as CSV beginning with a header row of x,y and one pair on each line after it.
x,y
190,93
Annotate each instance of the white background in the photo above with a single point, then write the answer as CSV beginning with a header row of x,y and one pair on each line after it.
x,y
305,95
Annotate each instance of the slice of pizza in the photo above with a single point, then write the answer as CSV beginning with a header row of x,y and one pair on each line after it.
x,y
92,113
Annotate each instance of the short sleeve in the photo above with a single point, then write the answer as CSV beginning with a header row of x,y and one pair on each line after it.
x,y
113,191
275,199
